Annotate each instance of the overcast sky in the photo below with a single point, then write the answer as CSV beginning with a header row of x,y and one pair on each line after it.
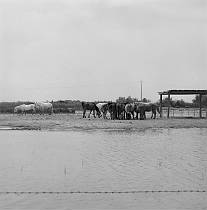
x,y
101,49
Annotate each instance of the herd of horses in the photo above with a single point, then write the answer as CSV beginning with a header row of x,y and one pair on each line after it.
x,y
37,107
120,111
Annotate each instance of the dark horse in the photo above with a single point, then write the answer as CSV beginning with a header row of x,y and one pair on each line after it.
x,y
91,107
112,108
117,110
147,107
121,113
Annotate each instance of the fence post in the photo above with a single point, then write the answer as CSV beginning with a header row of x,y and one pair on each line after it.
x,y
160,105
200,106
168,109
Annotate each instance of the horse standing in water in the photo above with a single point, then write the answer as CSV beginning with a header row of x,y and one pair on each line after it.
x,y
91,107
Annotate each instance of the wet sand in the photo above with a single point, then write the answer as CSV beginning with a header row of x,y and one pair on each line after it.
x,y
64,122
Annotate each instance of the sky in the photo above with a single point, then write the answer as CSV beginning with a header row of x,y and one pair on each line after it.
x,y
101,49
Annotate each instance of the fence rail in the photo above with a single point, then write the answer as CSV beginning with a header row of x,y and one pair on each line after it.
x,y
184,112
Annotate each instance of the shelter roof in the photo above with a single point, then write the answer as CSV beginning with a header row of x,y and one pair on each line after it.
x,y
183,92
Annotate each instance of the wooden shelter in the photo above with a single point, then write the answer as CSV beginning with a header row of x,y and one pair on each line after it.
x,y
182,92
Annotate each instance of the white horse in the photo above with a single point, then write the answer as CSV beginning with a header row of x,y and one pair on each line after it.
x,y
25,108
44,107
29,108
130,109
103,108
19,109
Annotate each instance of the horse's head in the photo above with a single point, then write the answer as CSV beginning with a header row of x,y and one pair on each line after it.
x,y
97,110
15,109
36,106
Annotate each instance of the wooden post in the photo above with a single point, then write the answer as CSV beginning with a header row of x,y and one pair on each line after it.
x,y
200,105
160,105
168,109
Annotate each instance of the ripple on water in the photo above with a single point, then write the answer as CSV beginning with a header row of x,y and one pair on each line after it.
x,y
153,159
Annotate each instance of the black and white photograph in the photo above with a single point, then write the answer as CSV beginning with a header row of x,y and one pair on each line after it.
x,y
103,104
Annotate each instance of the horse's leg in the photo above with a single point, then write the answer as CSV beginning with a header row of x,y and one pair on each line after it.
x,y
154,115
113,115
145,116
137,115
132,115
142,115
89,113
84,113
51,111
94,114
118,116
104,115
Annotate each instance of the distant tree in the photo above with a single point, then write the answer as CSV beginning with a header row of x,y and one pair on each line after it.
x,y
176,103
196,100
121,100
179,103
129,99
165,102
145,100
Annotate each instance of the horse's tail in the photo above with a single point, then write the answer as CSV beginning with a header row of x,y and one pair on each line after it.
x,y
83,104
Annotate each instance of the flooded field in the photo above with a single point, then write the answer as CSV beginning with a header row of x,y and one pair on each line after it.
x,y
156,168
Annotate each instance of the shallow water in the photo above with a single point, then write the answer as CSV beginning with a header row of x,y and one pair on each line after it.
x,y
99,161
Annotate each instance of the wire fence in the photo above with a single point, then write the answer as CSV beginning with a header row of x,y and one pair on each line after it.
x,y
104,192
185,112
